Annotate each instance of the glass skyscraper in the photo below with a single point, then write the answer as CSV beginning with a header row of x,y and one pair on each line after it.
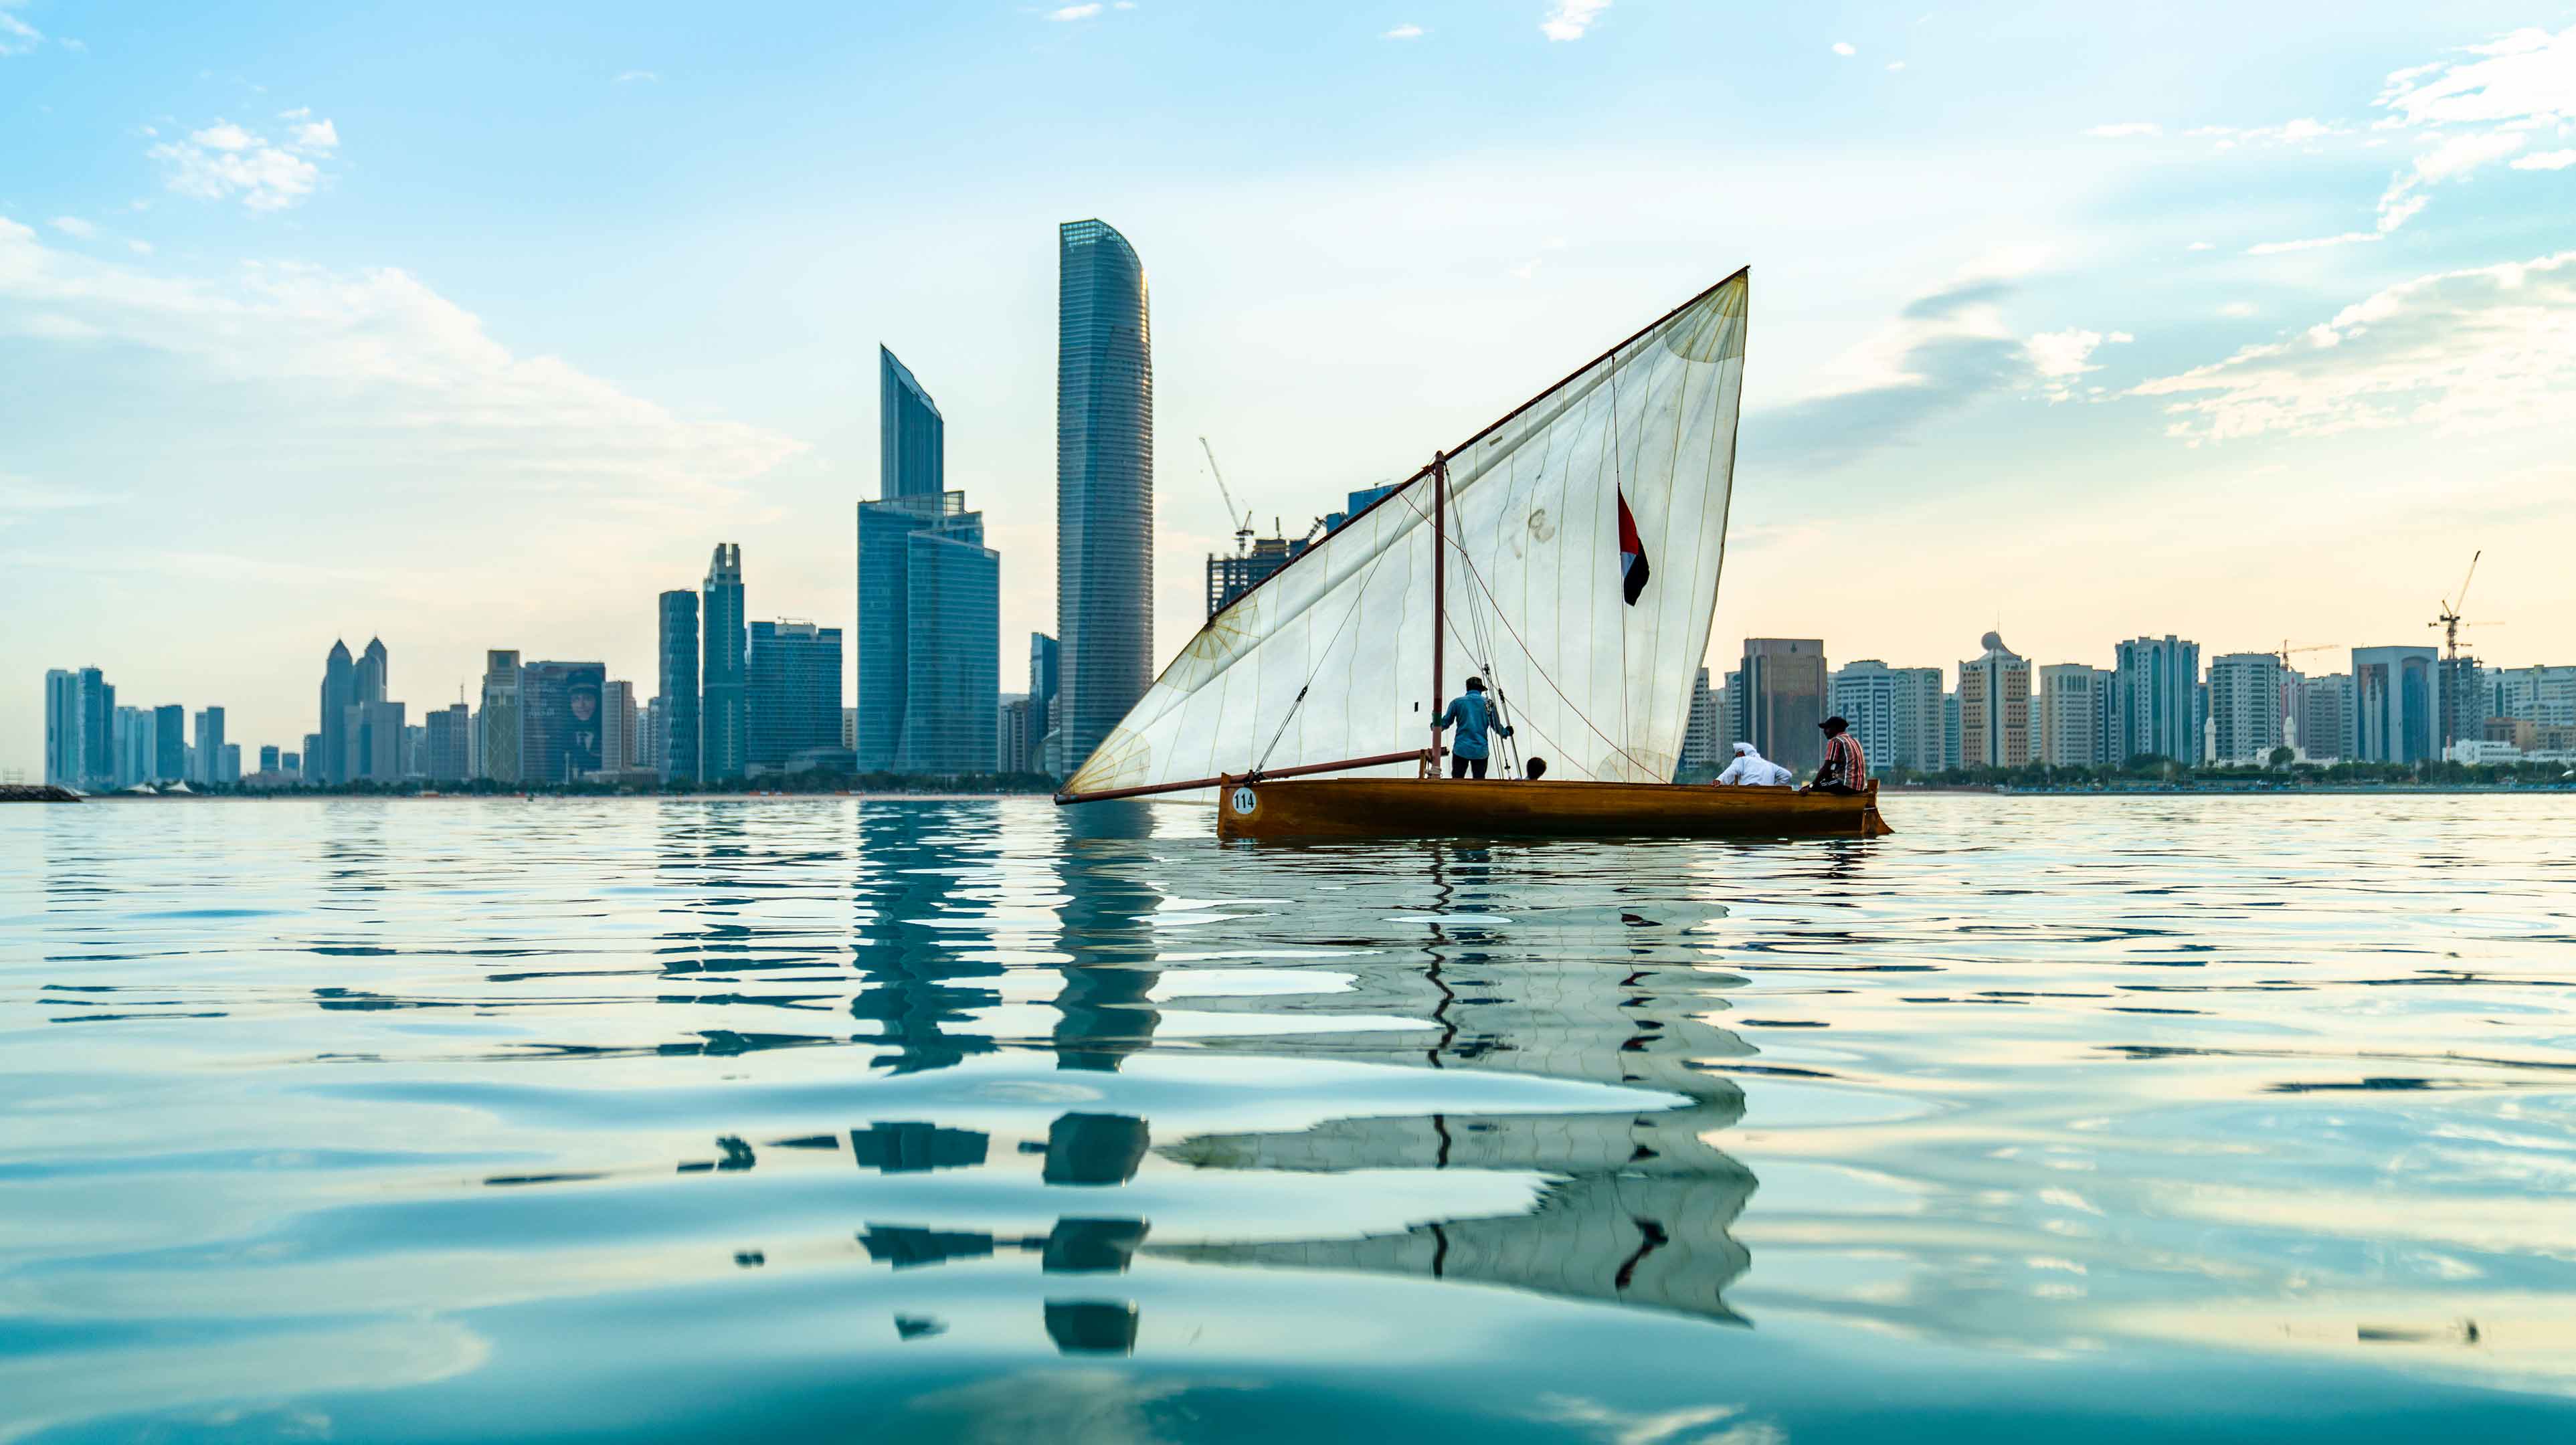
x,y
1045,680
2155,700
930,637
210,745
169,743
62,728
911,443
929,615
497,725
793,690
675,721
339,694
722,746
1104,487
2396,697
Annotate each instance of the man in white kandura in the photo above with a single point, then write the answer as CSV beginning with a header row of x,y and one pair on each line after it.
x,y
1752,770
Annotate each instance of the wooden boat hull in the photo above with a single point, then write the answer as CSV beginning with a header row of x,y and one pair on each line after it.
x,y
1466,808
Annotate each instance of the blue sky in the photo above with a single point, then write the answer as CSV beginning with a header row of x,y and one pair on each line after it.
x,y
475,326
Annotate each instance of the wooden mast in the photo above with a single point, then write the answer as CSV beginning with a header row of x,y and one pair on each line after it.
x,y
1439,596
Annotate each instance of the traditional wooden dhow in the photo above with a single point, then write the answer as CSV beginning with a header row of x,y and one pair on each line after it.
x,y
1570,552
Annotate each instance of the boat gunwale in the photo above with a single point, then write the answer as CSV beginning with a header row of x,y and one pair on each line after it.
x,y
1800,813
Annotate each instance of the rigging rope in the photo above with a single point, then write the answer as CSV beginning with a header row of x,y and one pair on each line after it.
x,y
1263,761
1359,594
1475,574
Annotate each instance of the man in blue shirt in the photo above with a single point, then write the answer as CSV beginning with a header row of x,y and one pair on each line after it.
x,y
1473,716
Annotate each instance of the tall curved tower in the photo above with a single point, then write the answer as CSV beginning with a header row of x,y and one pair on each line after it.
x,y
1104,488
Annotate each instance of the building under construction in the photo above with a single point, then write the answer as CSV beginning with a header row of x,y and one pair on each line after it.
x,y
1255,559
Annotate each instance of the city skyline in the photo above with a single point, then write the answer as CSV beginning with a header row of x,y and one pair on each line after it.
x,y
173,328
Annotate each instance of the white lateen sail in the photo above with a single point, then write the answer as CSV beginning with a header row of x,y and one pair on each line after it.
x,y
1594,676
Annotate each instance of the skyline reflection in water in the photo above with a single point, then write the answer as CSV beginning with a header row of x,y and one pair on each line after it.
x,y
488,1119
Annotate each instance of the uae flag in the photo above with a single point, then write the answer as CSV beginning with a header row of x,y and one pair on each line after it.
x,y
1633,570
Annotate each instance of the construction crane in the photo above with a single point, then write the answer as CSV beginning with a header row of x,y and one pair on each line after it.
x,y
1243,530
2285,649
2449,619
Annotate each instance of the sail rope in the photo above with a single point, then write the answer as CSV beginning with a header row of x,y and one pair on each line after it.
x,y
1481,648
1359,594
1478,577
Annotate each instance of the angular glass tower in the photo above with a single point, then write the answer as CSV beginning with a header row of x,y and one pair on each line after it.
x,y
675,745
721,751
911,440
339,694
929,637
1104,487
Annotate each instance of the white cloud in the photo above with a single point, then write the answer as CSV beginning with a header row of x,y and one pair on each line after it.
x,y
1571,18
17,37
2292,132
2200,246
2460,351
74,226
1074,12
2449,158
301,112
1404,32
630,77
139,248
1896,65
2118,129
2059,357
377,363
223,135
2062,353
1844,47
2527,75
2237,308
224,161
2545,161
2523,82
2275,248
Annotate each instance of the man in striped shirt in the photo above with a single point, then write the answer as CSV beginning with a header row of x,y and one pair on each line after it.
x,y
1845,769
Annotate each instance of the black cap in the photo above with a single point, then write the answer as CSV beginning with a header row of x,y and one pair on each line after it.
x,y
1834,724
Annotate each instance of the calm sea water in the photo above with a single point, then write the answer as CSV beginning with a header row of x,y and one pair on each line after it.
x,y
2052,1118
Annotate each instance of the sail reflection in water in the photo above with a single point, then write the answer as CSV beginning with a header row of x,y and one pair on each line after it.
x,y
1589,986
1598,986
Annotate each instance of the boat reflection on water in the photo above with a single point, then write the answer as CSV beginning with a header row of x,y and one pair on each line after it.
x,y
1629,1204
1593,986
1597,986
